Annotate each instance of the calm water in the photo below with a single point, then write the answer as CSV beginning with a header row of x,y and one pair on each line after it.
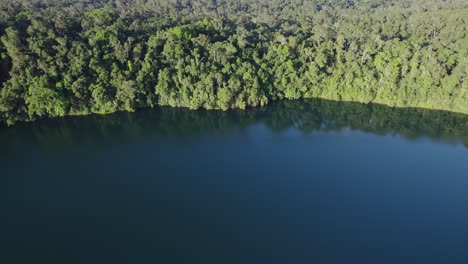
x,y
296,182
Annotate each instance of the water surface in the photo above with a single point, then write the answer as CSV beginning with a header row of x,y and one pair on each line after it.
x,y
296,182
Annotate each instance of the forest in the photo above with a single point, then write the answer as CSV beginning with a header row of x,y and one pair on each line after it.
x,y
77,57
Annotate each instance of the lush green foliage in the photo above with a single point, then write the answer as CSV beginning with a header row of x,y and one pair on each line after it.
x,y
62,57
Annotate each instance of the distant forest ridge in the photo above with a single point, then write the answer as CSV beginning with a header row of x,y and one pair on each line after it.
x,y
60,57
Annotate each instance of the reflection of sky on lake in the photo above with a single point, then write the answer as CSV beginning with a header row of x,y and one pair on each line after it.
x,y
262,186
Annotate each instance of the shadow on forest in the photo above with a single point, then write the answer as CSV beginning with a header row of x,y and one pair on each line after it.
x,y
306,116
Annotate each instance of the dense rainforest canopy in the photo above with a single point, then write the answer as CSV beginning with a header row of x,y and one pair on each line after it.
x,y
73,57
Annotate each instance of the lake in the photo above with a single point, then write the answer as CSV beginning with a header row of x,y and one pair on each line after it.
x,y
296,182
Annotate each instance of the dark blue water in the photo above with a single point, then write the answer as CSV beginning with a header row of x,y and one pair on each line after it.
x,y
296,182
